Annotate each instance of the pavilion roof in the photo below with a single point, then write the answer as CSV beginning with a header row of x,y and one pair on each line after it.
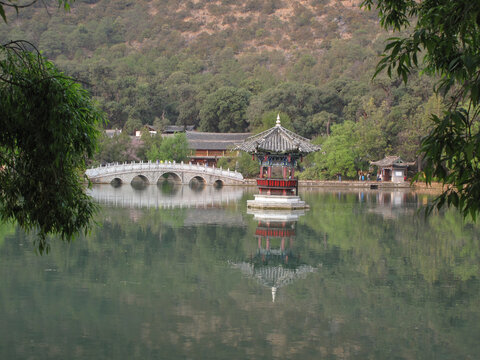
x,y
277,276
391,161
277,140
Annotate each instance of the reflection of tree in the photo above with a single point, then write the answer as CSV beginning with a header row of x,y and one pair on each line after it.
x,y
6,229
159,289
377,230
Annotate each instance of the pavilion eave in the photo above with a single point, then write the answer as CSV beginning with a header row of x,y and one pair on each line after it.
x,y
277,140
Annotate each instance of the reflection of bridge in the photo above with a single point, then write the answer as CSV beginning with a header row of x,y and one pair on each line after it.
x,y
154,197
152,172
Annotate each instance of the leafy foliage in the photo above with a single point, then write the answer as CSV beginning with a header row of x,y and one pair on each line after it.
x,y
189,64
224,110
244,164
14,5
447,33
48,128
171,148
339,152
114,149
269,120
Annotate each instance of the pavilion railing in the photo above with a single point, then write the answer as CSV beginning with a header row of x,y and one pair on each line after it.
x,y
277,183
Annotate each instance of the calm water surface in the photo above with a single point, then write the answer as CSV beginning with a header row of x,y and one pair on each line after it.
x,y
177,273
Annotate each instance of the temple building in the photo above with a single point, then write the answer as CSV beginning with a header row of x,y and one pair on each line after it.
x,y
206,147
278,152
392,168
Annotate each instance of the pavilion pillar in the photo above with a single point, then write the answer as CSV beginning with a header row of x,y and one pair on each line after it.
x,y
261,172
269,172
284,172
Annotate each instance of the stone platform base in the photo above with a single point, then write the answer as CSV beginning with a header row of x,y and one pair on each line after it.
x,y
275,216
274,202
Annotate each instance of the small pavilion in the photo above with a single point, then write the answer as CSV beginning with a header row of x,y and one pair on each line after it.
x,y
392,168
278,151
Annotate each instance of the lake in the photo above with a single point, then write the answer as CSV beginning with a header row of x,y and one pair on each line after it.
x,y
172,272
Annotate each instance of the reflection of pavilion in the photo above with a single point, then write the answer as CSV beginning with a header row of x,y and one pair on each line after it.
x,y
392,204
275,263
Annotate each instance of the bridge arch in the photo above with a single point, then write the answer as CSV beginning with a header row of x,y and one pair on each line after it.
x,y
197,183
151,172
218,184
169,176
139,179
116,182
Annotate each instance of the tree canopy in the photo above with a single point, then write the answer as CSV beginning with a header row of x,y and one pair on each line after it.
x,y
224,110
48,129
171,148
447,35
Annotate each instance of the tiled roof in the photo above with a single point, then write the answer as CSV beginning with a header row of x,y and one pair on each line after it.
x,y
391,161
214,141
177,128
277,140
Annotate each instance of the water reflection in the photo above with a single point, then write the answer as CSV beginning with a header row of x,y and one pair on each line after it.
x,y
393,204
389,204
165,195
168,187
275,263
155,282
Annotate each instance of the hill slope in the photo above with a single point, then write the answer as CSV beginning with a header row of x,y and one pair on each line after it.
x,y
209,62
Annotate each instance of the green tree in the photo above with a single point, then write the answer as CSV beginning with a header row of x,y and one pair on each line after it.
x,y
114,149
269,120
416,127
14,4
321,123
370,133
243,163
147,142
172,148
247,166
151,146
299,101
339,154
447,35
48,129
224,110
132,125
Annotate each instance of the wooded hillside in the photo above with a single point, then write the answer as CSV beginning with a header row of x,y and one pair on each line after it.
x,y
228,65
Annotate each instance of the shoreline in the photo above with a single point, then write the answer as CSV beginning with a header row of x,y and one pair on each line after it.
x,y
354,184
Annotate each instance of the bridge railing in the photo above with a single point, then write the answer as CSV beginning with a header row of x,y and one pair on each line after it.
x,y
113,168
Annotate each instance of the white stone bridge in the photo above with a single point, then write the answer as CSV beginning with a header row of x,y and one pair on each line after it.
x,y
152,172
